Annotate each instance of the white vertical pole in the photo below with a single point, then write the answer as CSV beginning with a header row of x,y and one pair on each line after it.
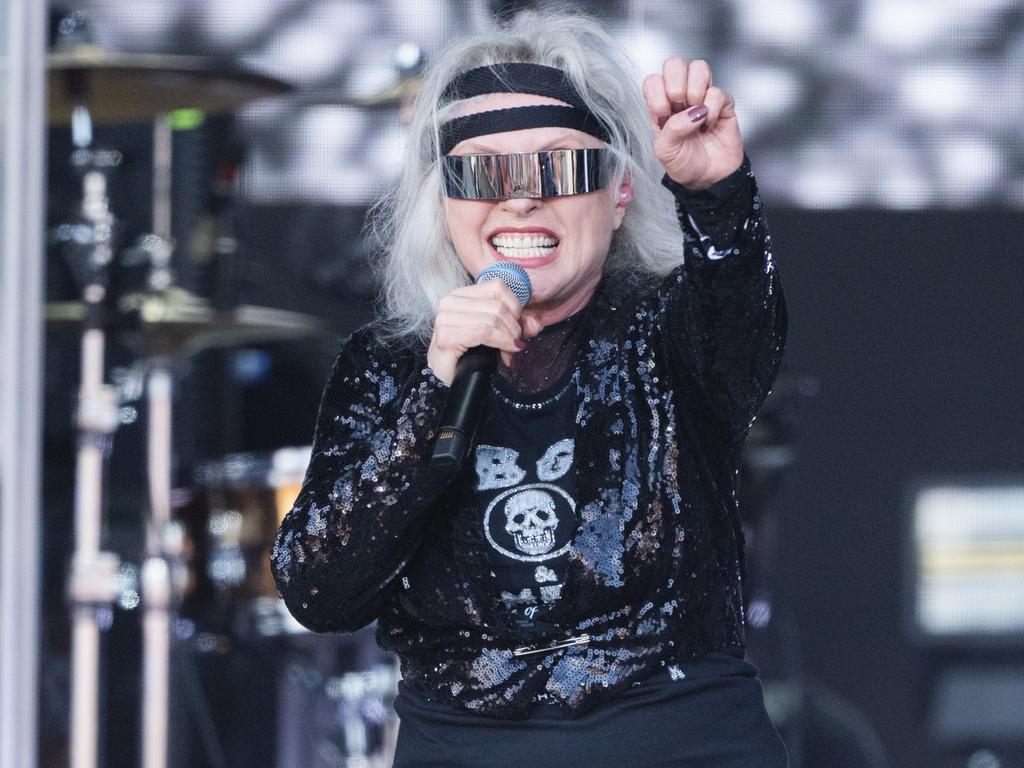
x,y
22,176
156,579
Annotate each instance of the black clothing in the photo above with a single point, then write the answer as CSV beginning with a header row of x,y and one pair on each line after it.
x,y
707,713
669,380
546,357
524,478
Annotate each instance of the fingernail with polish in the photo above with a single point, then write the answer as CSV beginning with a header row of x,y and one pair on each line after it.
x,y
698,113
520,344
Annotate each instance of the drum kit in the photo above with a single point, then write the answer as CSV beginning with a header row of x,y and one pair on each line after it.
x,y
227,522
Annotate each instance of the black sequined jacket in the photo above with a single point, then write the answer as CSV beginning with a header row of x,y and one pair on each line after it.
x,y
670,379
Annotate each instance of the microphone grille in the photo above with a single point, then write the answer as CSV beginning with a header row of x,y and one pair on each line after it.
x,y
513,275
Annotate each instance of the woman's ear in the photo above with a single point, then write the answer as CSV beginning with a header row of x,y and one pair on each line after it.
x,y
625,197
625,194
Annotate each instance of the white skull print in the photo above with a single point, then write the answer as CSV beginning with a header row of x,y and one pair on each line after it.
x,y
531,520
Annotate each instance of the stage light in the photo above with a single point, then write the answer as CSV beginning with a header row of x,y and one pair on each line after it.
x,y
969,167
318,46
965,562
228,24
939,93
764,95
786,24
822,180
905,26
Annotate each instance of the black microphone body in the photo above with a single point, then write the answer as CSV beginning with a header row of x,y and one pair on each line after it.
x,y
473,374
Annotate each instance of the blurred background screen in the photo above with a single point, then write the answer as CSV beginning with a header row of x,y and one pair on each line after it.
x,y
902,104
968,561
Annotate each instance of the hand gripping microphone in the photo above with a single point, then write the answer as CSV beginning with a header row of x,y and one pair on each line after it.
x,y
473,373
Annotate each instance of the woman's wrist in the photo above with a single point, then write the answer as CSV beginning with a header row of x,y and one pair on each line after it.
x,y
714,194
442,365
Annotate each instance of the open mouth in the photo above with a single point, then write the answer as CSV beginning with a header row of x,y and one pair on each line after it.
x,y
524,246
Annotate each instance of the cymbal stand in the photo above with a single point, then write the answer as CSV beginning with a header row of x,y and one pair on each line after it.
x,y
156,571
92,583
157,592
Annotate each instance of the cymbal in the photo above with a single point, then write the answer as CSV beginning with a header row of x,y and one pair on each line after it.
x,y
390,97
130,87
178,322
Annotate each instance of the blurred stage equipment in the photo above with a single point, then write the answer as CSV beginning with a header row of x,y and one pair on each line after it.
x,y
408,61
92,582
231,514
819,727
325,700
966,563
133,87
230,616
394,96
88,85
289,699
175,321
964,545
352,691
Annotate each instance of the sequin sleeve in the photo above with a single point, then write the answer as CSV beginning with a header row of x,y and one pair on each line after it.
x,y
367,493
725,314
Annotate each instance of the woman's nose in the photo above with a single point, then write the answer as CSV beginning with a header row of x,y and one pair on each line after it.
x,y
521,205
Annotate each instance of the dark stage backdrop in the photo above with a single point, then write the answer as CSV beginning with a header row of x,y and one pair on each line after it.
x,y
911,322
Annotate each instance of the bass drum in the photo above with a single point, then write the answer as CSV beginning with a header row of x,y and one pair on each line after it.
x,y
231,514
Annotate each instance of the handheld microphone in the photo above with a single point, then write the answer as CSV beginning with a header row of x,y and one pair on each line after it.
x,y
473,373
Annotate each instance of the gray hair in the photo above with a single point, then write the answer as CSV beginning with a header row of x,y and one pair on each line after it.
x,y
414,256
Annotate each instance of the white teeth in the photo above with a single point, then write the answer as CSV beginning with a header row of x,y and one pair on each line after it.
x,y
524,246
510,240
523,253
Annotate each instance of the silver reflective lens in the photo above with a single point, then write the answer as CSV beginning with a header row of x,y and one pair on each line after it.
x,y
529,174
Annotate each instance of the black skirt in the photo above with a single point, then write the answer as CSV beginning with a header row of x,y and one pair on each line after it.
x,y
712,717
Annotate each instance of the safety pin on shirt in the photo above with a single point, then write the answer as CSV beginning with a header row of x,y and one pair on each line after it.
x,y
524,650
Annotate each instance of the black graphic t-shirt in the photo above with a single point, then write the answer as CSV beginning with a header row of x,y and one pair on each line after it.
x,y
524,478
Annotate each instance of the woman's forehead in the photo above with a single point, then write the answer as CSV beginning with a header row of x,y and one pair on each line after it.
x,y
489,101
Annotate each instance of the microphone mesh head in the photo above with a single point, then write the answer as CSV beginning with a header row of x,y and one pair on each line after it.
x,y
513,275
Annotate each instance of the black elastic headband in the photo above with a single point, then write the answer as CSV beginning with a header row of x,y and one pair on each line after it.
x,y
516,119
514,77
535,79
